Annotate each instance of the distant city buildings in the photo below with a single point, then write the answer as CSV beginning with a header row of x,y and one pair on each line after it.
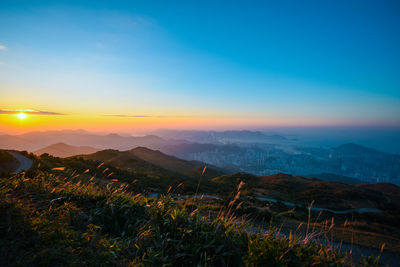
x,y
265,161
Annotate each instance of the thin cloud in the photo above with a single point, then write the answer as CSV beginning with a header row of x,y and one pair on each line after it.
x,y
2,47
28,111
133,116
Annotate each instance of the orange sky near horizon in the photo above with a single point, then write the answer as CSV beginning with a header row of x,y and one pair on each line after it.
x,y
144,65
10,123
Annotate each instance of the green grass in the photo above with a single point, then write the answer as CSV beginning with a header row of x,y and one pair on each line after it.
x,y
52,218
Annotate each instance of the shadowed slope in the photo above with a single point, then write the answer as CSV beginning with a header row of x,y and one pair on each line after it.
x,y
304,190
7,162
144,159
189,168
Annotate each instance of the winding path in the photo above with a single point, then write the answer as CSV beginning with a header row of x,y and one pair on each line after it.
x,y
358,210
24,162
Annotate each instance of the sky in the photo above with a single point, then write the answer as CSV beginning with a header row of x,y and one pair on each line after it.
x,y
141,65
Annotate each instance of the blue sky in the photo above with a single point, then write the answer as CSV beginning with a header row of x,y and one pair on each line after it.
x,y
262,62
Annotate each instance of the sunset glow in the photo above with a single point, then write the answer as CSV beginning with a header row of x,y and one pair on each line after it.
x,y
21,116
132,67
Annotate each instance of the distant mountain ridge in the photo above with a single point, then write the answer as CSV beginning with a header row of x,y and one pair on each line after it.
x,y
249,151
37,140
351,148
336,178
221,137
63,150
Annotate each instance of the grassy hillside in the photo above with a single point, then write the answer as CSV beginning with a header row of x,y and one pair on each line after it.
x,y
99,214
123,160
54,219
188,168
149,160
142,176
336,178
292,196
303,190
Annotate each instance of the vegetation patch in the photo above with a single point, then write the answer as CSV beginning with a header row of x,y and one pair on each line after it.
x,y
52,218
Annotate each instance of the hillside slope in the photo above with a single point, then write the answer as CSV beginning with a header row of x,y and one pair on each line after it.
x,y
145,159
369,229
188,168
51,221
336,178
63,150
303,191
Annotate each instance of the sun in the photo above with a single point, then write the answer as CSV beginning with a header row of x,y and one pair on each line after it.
x,y
21,116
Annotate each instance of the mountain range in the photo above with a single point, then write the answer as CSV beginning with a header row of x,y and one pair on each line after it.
x,y
223,137
142,157
33,141
246,151
63,150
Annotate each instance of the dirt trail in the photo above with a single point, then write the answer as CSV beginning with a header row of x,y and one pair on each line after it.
x,y
24,162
